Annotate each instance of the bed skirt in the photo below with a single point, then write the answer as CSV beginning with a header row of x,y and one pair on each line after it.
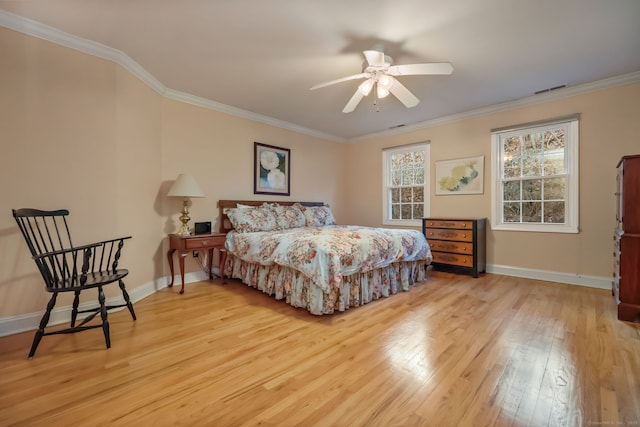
x,y
296,289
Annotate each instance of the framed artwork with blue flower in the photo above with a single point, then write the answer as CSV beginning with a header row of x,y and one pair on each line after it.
x,y
460,176
271,170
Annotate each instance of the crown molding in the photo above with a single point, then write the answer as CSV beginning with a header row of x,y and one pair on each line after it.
x,y
509,105
212,105
53,35
36,29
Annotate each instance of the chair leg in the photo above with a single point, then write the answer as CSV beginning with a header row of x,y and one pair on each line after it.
x,y
103,315
125,295
74,312
43,323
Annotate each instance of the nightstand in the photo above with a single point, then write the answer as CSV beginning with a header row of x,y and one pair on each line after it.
x,y
199,242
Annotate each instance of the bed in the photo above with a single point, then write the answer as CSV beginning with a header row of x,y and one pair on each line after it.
x,y
295,251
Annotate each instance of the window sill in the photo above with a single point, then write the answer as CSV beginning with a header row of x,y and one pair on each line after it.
x,y
546,228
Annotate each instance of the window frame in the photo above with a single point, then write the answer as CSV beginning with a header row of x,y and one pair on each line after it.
x,y
572,205
386,176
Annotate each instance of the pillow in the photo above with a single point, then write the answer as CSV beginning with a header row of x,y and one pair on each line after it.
x,y
289,217
317,216
249,220
240,206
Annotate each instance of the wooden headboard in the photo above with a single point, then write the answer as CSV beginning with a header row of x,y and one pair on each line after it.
x,y
223,205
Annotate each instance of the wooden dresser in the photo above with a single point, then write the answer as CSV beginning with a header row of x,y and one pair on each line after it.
x,y
626,276
457,244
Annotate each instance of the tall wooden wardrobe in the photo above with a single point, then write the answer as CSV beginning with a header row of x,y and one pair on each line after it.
x,y
626,277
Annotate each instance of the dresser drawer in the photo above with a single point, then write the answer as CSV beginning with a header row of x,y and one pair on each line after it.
x,y
439,223
453,259
204,242
444,234
451,246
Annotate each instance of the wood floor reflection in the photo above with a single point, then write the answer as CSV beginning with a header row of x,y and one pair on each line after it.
x,y
454,351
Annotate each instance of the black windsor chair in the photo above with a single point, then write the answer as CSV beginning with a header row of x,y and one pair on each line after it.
x,y
68,268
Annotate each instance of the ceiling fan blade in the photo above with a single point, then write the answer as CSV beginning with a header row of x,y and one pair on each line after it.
x,y
403,94
419,69
374,58
353,102
344,79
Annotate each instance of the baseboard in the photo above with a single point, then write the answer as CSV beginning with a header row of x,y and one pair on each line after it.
x,y
552,276
30,321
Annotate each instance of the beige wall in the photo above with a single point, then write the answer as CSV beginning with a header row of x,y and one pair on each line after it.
x,y
78,133
609,129
81,133
217,149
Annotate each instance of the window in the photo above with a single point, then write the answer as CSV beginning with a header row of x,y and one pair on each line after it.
x,y
406,184
535,174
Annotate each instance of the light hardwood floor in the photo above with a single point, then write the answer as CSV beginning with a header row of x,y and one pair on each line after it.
x,y
454,351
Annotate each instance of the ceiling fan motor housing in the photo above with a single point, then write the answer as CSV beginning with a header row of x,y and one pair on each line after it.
x,y
388,61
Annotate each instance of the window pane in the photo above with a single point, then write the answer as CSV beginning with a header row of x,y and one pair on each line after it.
x,y
406,160
419,177
511,147
553,164
396,177
395,195
554,212
532,212
512,168
406,196
395,211
406,211
511,190
554,188
532,166
554,140
511,212
418,210
418,194
407,177
532,144
396,162
532,189
418,158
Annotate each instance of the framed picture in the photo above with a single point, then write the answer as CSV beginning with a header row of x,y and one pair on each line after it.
x,y
460,176
271,169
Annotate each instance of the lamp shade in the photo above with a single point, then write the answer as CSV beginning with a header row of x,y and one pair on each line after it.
x,y
185,186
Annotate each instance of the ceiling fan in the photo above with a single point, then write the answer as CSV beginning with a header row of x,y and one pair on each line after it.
x,y
378,72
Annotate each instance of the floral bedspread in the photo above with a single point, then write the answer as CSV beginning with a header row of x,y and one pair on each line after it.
x,y
327,254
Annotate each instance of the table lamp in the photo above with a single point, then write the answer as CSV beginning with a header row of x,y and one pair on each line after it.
x,y
186,187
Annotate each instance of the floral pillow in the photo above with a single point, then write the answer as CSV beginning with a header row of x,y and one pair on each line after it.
x,y
245,220
317,216
289,217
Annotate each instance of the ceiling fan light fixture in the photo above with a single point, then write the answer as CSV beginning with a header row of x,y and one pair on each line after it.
x,y
381,91
365,87
385,81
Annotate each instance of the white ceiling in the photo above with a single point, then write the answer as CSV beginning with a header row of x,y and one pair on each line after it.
x,y
262,56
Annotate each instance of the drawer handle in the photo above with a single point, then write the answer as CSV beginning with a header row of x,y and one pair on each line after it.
x,y
464,225
464,261
464,235
464,248
204,242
